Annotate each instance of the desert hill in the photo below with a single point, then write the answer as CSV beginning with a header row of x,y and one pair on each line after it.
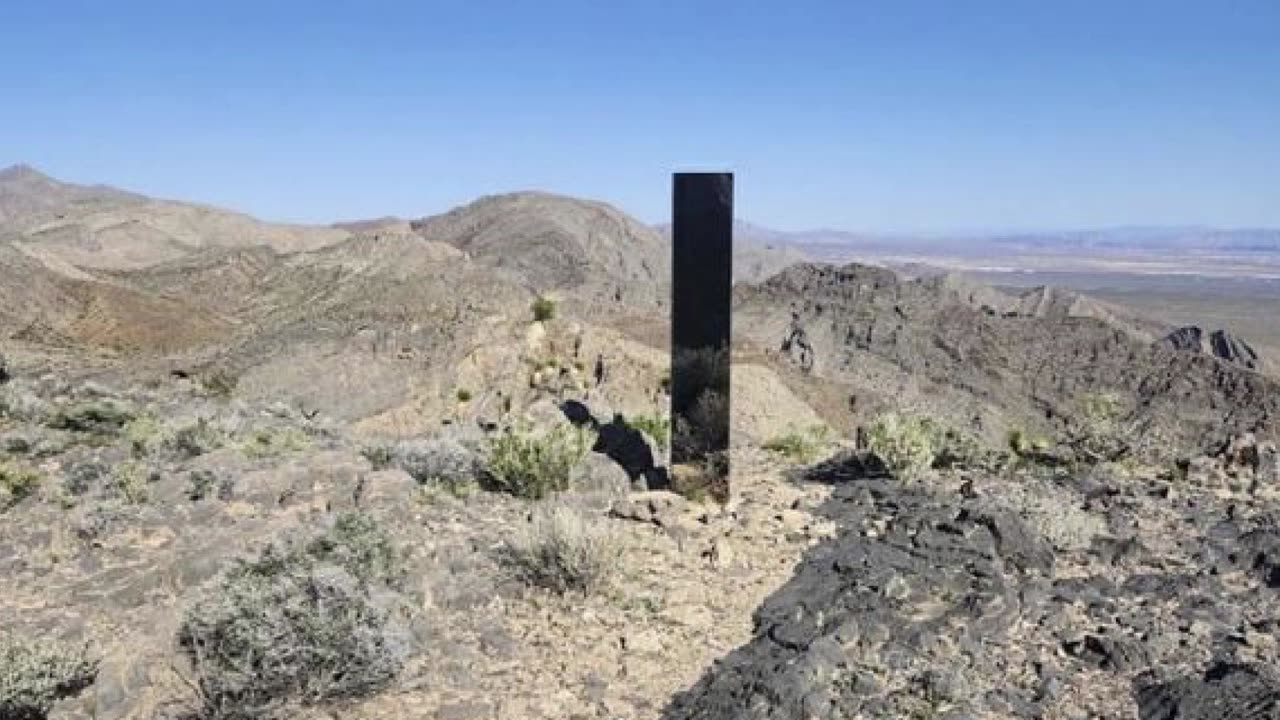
x,y
1025,366
101,227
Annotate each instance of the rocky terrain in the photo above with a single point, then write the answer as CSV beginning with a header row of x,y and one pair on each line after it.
x,y
406,468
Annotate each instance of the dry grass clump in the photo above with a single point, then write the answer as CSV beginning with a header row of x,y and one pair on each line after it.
x,y
801,445
563,551
35,674
304,622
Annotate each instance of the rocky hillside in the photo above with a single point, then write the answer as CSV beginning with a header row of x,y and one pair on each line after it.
x,y
921,345
1039,595
100,227
562,244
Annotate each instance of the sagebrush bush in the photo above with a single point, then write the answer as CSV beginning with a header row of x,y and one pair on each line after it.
x,y
99,416
544,308
1099,435
82,477
438,463
17,483
36,673
802,445
201,437
305,621
268,442
380,457
131,480
219,383
533,464
563,551
144,435
906,445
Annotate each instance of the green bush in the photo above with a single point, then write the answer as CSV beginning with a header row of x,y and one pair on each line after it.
x,y
100,417
544,309
219,383
272,442
464,395
35,674
16,484
800,445
144,434
131,480
657,427
196,439
302,623
533,464
1098,434
906,445
563,551
380,457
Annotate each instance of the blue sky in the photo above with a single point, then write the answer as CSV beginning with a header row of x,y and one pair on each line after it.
x,y
907,116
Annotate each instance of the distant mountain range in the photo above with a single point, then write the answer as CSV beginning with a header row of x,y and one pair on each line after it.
x,y
1105,240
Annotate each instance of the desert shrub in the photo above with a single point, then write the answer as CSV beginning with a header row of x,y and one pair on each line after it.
x,y
98,416
657,427
273,441
201,484
16,484
131,479
305,621
144,435
1023,444
81,477
196,439
439,463
906,445
543,309
35,674
703,428
380,457
533,464
219,383
563,551
18,402
802,445
960,449
1098,434
464,395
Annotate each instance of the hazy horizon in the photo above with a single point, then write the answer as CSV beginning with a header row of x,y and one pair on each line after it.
x,y
957,234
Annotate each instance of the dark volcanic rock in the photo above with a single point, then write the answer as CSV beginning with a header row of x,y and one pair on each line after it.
x,y
935,603
1220,344
1225,692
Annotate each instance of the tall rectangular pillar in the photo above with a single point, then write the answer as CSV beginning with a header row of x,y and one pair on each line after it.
x,y
701,324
